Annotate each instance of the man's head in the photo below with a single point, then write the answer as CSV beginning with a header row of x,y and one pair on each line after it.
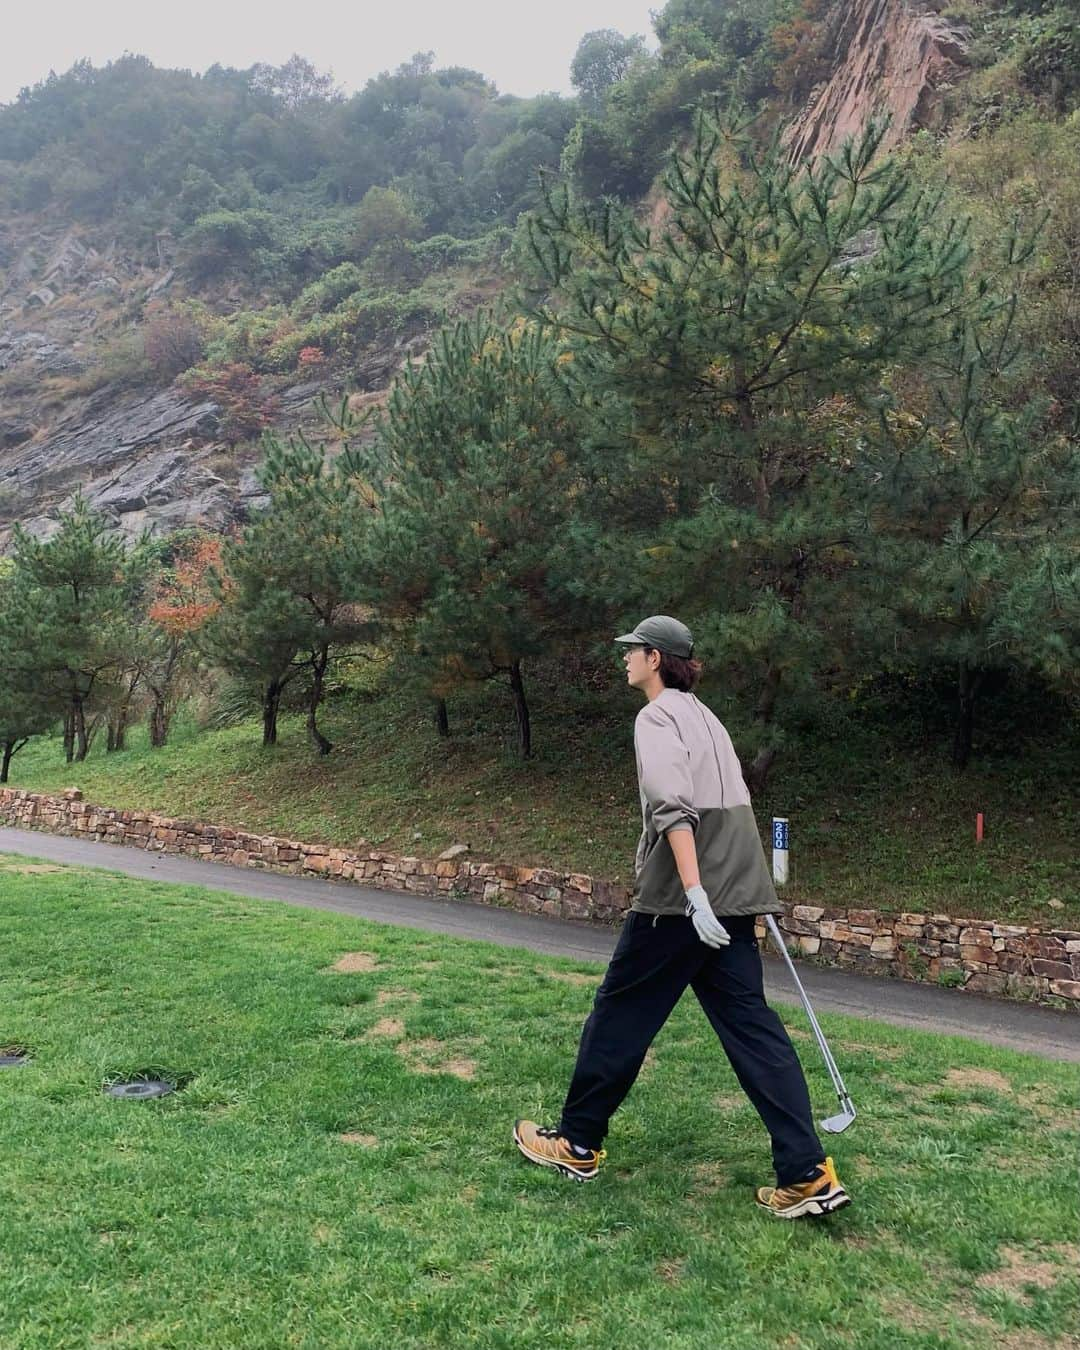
x,y
660,655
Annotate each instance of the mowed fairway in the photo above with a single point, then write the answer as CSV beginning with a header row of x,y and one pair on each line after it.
x,y
337,1170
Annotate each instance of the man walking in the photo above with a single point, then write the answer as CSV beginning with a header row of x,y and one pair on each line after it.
x,y
701,877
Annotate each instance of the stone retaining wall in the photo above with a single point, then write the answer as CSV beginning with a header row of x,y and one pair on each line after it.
x,y
980,955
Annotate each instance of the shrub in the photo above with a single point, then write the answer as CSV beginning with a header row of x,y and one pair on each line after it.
x,y
223,240
173,342
330,290
246,336
384,213
245,409
122,360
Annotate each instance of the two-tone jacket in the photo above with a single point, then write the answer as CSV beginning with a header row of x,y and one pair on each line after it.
x,y
689,777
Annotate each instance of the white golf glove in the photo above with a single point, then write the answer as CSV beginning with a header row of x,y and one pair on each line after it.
x,y
709,928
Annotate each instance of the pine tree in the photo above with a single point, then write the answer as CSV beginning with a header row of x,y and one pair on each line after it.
x,y
120,691
71,595
977,549
728,360
285,591
26,708
258,628
472,474
318,518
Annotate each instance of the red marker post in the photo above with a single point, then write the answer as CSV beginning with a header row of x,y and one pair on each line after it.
x,y
979,828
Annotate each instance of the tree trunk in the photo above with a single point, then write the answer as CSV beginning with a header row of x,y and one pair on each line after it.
x,y
521,709
91,733
82,745
270,702
10,748
970,682
442,719
318,666
69,732
118,728
159,723
758,772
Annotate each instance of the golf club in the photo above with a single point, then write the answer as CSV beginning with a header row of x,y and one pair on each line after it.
x,y
838,1123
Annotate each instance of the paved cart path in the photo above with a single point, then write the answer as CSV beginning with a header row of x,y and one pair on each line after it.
x,y
926,1007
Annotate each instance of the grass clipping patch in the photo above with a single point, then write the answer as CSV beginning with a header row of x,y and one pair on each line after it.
x,y
425,1056
429,1056
356,963
1021,1270
386,1026
978,1078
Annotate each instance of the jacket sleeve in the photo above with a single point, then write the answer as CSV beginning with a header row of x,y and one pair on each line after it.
x,y
664,771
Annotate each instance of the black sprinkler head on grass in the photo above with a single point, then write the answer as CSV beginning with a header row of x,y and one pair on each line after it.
x,y
140,1088
13,1056
157,1080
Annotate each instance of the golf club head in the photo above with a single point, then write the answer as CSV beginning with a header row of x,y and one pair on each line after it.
x,y
838,1124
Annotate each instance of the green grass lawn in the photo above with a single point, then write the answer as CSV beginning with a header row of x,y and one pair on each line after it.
x,y
878,819
337,1170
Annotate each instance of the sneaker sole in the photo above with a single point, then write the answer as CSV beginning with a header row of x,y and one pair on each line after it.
x,y
564,1168
815,1207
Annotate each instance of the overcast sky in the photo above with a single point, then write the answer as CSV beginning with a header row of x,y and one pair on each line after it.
x,y
524,47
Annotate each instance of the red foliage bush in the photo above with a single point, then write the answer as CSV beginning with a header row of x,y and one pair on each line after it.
x,y
245,409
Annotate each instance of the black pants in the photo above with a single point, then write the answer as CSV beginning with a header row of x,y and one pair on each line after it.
x,y
650,969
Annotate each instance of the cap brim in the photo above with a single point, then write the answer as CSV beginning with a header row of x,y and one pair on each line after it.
x,y
628,637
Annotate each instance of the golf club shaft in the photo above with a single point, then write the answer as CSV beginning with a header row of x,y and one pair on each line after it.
x,y
819,1035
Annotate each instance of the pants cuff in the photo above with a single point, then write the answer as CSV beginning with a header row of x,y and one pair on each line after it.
x,y
573,1136
791,1175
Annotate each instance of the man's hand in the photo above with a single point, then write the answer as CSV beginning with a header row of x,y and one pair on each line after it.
x,y
709,928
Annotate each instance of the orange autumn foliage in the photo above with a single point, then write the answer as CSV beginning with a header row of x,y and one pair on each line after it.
x,y
183,602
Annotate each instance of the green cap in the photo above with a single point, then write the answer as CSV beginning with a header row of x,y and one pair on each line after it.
x,y
664,633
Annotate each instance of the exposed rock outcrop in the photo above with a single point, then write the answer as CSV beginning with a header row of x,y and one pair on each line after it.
x,y
143,460
150,459
892,57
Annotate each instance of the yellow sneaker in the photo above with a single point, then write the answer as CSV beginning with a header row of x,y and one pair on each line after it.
x,y
806,1199
550,1149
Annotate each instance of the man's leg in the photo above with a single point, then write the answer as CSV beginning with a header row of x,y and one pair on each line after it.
x,y
649,971
730,988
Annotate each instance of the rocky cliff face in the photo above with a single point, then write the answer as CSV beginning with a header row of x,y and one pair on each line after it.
x,y
891,57
150,458
146,461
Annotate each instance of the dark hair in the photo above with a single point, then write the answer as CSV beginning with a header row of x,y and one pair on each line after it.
x,y
678,672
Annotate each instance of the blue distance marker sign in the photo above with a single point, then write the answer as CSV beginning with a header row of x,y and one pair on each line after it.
x,y
780,849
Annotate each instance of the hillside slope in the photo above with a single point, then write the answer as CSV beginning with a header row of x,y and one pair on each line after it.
x,y
77,298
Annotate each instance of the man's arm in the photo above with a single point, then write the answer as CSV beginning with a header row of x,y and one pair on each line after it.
x,y
681,839
708,927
